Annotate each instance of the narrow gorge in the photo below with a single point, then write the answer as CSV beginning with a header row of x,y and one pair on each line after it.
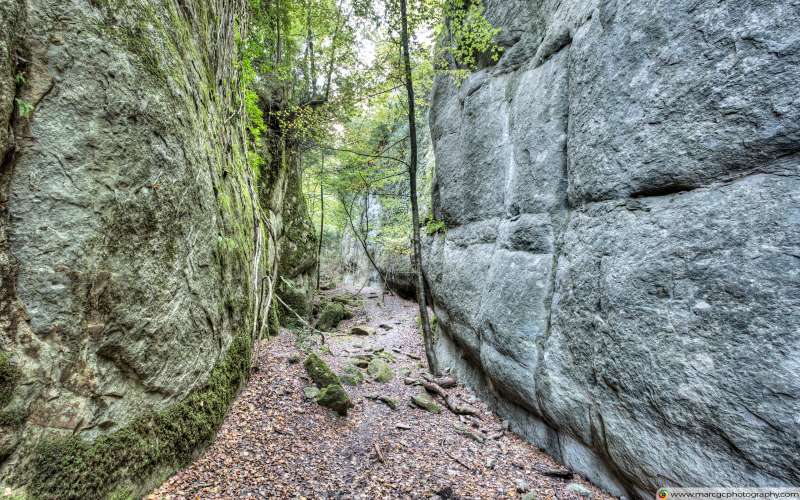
x,y
198,195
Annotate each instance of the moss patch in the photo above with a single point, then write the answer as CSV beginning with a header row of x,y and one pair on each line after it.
x,y
380,371
335,398
9,376
135,457
332,314
351,375
320,372
297,300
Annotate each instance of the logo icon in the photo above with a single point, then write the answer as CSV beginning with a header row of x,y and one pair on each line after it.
x,y
663,494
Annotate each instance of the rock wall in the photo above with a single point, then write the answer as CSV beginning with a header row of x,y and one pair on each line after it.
x,y
133,242
621,269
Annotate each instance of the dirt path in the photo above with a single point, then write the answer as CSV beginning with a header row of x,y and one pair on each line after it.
x,y
277,444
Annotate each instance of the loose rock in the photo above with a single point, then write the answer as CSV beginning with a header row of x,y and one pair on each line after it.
x,y
362,330
380,371
424,401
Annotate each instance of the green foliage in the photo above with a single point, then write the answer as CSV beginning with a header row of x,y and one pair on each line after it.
x,y
131,459
468,35
24,108
435,226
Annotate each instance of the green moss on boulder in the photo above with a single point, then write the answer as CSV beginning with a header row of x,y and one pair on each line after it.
x,y
424,401
351,375
320,372
335,398
332,314
380,371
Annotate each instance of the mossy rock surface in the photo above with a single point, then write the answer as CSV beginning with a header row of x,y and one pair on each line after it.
x,y
297,300
351,375
132,458
9,376
332,314
335,397
320,372
424,401
380,371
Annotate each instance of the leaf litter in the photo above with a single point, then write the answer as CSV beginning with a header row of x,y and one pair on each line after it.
x,y
277,443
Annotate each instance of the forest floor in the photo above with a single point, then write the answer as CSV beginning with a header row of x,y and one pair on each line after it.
x,y
275,443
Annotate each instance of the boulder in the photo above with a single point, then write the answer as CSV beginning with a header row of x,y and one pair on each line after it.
x,y
351,375
320,372
380,371
335,398
332,314
580,490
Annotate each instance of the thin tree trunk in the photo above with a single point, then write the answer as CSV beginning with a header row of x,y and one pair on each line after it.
x,y
361,239
322,218
422,294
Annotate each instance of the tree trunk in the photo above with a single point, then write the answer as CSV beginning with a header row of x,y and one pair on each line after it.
x,y
321,218
427,332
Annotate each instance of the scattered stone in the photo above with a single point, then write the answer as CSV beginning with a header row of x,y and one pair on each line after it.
x,y
530,496
579,490
405,372
335,398
294,359
390,402
424,401
385,327
491,463
362,330
320,372
521,486
410,381
351,375
403,427
310,392
380,371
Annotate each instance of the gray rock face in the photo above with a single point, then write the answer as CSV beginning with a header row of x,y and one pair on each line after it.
x,y
133,241
620,273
